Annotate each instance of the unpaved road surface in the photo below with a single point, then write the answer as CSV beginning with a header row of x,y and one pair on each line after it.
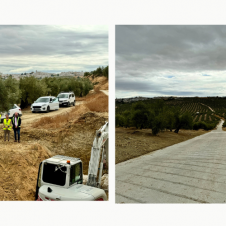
x,y
29,117
105,92
193,171
208,107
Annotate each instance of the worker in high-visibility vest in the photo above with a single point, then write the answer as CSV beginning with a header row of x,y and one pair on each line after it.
x,y
7,126
16,121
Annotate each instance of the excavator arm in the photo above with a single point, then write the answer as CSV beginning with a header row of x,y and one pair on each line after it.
x,y
98,153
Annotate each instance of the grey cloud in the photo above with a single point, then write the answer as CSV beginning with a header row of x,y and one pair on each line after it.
x,y
36,42
132,85
152,51
173,47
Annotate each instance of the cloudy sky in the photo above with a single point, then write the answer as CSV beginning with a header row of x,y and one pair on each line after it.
x,y
170,60
52,48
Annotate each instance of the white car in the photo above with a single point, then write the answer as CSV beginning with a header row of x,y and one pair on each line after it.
x,y
66,99
45,104
15,108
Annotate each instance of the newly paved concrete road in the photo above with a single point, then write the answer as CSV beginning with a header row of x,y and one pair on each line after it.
x,y
193,171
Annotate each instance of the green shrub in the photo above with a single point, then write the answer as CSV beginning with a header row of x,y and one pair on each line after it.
x,y
119,120
203,125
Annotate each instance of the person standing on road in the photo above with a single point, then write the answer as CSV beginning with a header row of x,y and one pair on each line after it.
x,y
16,126
7,126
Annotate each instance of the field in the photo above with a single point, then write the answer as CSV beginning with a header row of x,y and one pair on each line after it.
x,y
199,108
132,142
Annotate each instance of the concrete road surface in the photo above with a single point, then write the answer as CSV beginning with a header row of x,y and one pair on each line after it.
x,y
193,171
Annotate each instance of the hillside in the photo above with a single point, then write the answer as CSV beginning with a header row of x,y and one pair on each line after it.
x,y
68,131
100,83
208,110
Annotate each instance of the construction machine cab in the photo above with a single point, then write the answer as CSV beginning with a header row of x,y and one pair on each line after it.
x,y
61,177
60,171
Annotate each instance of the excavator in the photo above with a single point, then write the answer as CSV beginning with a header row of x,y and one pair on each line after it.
x,y
60,178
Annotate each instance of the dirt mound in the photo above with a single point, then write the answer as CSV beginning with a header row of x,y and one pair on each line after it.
x,y
77,140
100,83
57,121
19,162
98,103
19,168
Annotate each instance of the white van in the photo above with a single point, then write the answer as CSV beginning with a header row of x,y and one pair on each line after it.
x,y
45,104
66,98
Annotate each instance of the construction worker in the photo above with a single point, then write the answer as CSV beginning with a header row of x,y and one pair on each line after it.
x,y
16,120
7,126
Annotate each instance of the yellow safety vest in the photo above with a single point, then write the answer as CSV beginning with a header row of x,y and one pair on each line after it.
x,y
7,124
17,120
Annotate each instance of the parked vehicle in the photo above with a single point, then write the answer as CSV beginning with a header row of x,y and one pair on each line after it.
x,y
66,98
15,108
45,104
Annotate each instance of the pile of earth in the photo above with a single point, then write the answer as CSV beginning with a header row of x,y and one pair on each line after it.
x,y
18,170
19,162
100,83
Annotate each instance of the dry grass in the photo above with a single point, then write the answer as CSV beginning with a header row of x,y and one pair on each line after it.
x,y
97,102
58,120
131,143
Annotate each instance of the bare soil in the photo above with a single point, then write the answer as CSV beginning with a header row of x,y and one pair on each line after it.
x,y
101,83
132,143
71,136
29,117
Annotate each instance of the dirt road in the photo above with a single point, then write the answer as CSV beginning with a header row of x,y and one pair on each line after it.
x,y
208,107
193,171
29,117
105,92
